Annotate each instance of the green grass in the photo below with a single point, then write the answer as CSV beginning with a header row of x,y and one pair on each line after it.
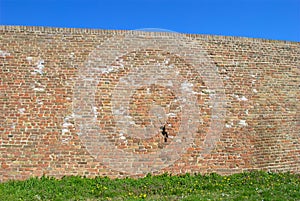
x,y
256,185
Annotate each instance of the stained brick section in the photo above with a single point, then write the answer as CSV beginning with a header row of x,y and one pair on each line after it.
x,y
44,76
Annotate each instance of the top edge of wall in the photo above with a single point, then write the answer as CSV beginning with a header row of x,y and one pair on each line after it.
x,y
43,29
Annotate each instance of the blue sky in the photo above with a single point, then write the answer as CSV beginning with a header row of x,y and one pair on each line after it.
x,y
271,19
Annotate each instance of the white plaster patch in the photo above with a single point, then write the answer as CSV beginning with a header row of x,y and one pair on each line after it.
x,y
236,63
132,122
4,53
179,140
170,66
66,140
88,79
227,125
243,123
254,90
22,110
67,118
148,91
39,102
38,89
128,117
65,130
171,115
39,67
243,98
121,110
167,61
13,126
122,137
107,70
121,65
186,86
195,92
72,55
211,96
67,124
95,110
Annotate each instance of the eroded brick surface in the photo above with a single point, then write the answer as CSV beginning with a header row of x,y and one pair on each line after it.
x,y
93,102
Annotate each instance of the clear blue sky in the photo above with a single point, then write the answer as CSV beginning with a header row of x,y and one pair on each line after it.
x,y
271,19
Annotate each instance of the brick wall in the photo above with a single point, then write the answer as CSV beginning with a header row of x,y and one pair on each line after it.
x,y
93,102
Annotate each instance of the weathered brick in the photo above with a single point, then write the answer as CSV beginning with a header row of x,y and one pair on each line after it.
x,y
92,102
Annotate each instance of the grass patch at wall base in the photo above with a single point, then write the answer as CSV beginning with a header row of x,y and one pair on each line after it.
x,y
256,185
